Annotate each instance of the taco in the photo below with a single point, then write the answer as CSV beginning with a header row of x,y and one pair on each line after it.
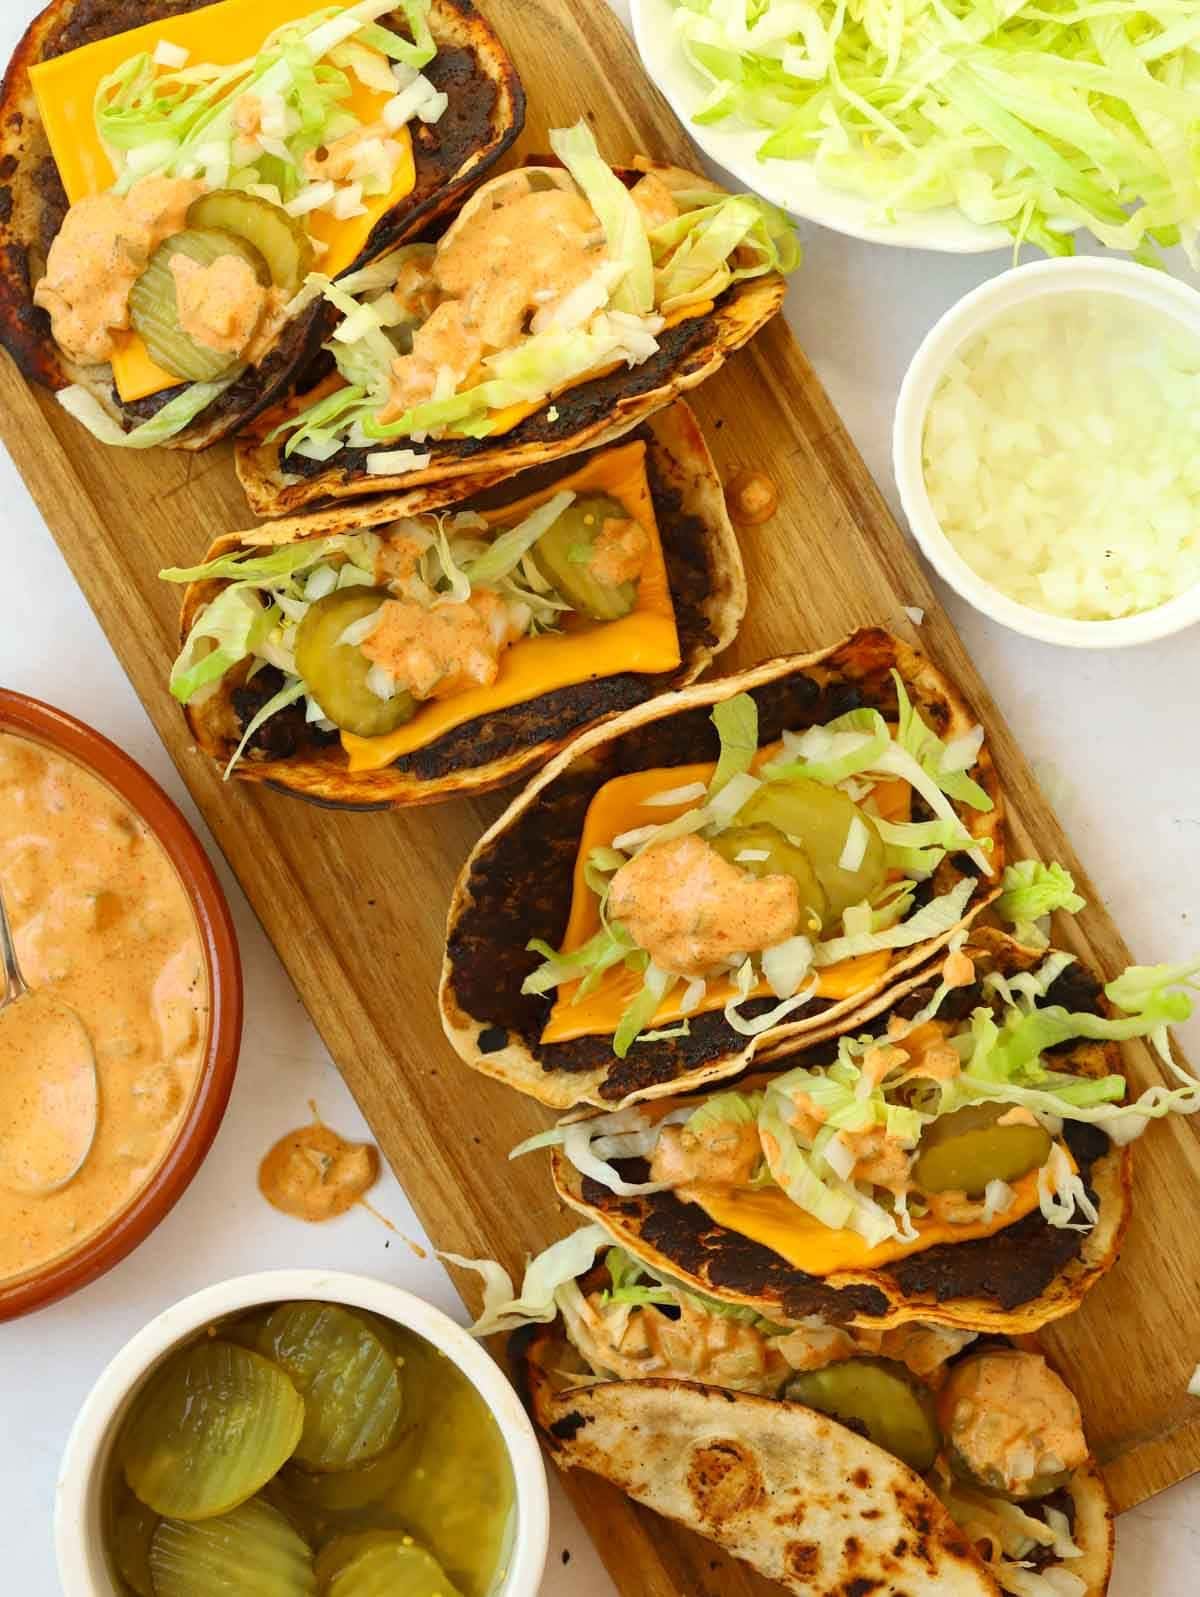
x,y
382,654
961,1158
721,873
564,304
180,177
911,1460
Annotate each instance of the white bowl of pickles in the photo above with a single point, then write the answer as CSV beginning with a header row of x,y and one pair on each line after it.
x,y
298,1433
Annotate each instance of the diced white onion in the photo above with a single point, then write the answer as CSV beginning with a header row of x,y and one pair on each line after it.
x,y
402,107
311,198
736,793
265,191
434,108
320,582
347,202
687,794
786,965
914,613
693,995
317,448
167,54
583,301
381,682
358,324
148,157
1060,453
359,631
998,1198
389,462
634,838
751,856
855,846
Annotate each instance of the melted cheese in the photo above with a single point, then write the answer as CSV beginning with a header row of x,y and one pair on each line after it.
x,y
646,640
620,806
220,34
770,1217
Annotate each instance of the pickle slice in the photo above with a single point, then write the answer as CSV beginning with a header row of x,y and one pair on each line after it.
x,y
963,1151
876,1398
819,818
562,552
352,1393
336,672
154,312
279,239
209,1429
345,1491
133,1527
251,1552
393,1568
784,858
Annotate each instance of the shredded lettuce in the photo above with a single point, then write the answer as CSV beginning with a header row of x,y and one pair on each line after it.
x,y
940,915
288,694
164,425
505,553
736,721
624,231
265,569
506,1310
1034,119
1031,892
226,631
705,250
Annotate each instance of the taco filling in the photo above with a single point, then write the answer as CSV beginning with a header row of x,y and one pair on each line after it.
x,y
549,276
231,154
782,874
993,1429
391,637
943,1126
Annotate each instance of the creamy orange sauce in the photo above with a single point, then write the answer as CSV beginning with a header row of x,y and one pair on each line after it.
x,y
336,162
723,1154
438,650
691,910
101,250
655,201
516,252
48,1096
752,498
1011,1419
219,305
618,552
313,1174
101,920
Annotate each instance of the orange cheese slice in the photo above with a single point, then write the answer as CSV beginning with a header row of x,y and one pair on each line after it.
x,y
620,806
231,30
646,640
770,1217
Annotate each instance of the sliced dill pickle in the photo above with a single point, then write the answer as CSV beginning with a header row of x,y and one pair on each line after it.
x,y
561,555
353,1398
395,1568
784,858
819,818
210,1428
345,1491
963,1151
133,1527
878,1399
336,672
280,239
154,311
343,1550
252,1550
993,1447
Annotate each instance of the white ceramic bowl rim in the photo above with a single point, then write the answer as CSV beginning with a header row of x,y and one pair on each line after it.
x,y
965,320
81,1563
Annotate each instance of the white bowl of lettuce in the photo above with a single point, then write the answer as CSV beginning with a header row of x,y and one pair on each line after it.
x,y
928,126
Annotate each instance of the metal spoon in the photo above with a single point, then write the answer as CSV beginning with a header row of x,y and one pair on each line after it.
x,y
49,1092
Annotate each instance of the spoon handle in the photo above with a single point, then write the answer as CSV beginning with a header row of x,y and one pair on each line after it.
x,y
14,981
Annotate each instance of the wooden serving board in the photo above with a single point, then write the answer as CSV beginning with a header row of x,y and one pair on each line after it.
x,y
355,903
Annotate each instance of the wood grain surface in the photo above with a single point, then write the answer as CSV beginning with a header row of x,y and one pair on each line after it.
x,y
355,903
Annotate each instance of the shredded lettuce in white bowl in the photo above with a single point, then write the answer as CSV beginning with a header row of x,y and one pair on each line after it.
x,y
945,124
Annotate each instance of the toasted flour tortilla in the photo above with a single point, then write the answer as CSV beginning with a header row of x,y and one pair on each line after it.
x,y
585,416
801,1498
485,114
708,589
1018,1279
517,883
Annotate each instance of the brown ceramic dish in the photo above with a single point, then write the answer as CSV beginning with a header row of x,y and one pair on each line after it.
x,y
42,723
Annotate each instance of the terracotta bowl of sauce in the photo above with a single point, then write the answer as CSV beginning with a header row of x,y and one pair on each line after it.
x,y
116,909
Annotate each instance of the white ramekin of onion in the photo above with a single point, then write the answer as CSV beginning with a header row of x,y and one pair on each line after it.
x,y
1046,447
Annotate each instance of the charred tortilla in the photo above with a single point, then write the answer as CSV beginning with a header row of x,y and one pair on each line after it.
x,y
708,594
801,1498
517,883
590,414
484,116
1021,1277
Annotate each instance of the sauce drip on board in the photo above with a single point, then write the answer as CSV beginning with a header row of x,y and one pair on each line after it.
x,y
101,920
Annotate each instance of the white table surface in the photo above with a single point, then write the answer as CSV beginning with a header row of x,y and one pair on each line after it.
x,y
1114,739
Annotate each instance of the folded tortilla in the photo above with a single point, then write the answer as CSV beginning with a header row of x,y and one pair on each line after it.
x,y
1019,1278
801,1498
517,883
708,593
594,412
486,114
